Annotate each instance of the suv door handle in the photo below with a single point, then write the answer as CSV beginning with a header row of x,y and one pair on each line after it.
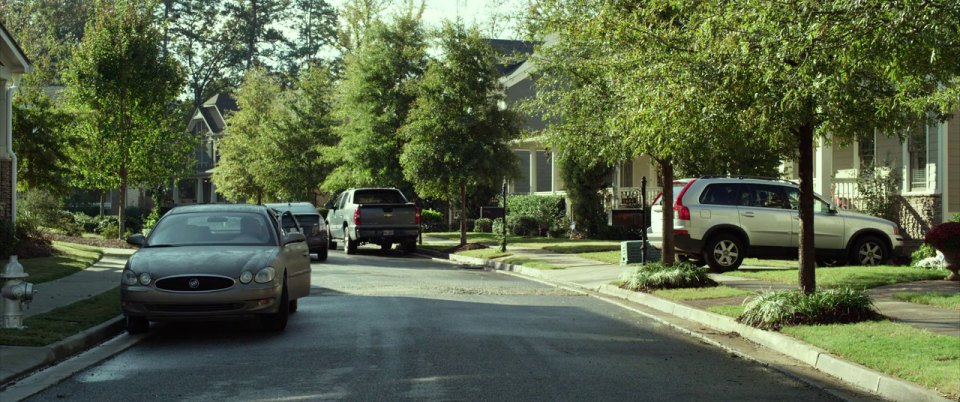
x,y
748,214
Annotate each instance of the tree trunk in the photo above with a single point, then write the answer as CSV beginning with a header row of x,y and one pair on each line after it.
x,y
463,215
122,208
807,272
668,254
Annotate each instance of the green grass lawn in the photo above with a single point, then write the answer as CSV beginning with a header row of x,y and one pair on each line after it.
x,y
945,300
63,322
530,263
69,258
856,277
730,311
488,253
715,292
931,360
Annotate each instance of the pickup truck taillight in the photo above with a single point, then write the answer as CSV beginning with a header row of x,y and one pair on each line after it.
x,y
418,216
356,216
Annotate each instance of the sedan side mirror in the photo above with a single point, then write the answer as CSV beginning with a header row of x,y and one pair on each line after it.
x,y
293,237
137,240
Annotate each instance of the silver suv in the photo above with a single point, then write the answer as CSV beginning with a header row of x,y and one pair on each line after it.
x,y
720,221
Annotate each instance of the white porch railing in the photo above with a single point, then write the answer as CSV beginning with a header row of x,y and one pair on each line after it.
x,y
845,193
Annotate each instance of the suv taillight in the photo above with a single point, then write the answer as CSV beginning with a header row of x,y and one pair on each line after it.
x,y
356,216
418,216
683,213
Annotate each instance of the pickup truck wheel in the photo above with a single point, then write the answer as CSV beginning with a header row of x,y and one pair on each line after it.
x,y
724,252
409,246
386,246
349,245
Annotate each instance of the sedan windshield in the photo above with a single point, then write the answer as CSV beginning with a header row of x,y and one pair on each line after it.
x,y
212,228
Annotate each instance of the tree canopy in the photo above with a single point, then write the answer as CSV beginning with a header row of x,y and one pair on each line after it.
x,y
456,131
121,90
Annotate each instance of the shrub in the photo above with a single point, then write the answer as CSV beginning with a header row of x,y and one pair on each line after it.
x,y
773,310
956,218
432,221
30,240
39,207
658,276
944,237
560,228
542,210
483,225
925,251
879,187
105,222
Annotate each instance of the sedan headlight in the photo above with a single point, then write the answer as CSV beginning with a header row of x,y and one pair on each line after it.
x,y
265,275
129,277
246,277
145,279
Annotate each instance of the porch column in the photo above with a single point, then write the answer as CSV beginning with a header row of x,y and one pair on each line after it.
x,y
199,199
6,136
823,171
555,174
533,171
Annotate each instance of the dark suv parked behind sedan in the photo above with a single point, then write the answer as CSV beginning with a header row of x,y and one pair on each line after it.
x,y
312,223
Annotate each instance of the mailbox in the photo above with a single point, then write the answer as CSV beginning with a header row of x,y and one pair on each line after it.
x,y
627,217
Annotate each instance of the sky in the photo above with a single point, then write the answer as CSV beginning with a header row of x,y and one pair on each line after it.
x,y
478,12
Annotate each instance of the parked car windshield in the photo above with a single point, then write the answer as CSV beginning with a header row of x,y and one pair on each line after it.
x,y
212,228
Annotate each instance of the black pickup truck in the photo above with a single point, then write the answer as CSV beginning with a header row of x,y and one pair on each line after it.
x,y
373,215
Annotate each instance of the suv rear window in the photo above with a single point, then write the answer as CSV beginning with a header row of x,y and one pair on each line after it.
x,y
721,194
378,197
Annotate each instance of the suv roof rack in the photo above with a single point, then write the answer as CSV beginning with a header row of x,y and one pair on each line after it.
x,y
749,177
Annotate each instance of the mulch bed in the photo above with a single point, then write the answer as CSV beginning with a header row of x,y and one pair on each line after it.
x,y
114,243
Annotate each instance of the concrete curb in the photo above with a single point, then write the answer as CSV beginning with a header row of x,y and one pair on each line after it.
x,y
69,347
851,373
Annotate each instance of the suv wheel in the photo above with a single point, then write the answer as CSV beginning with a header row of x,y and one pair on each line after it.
x,y
869,250
322,253
724,253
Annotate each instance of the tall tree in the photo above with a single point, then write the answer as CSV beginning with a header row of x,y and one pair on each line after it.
x,y
41,140
356,17
294,168
315,24
208,49
122,90
457,132
374,99
258,26
243,152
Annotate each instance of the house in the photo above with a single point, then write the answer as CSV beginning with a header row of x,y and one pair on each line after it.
x,y
924,163
209,123
13,63
539,169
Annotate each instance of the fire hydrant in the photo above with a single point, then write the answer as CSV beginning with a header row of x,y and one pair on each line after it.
x,y
16,293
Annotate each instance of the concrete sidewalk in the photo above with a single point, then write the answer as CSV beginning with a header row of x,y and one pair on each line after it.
x,y
597,277
17,361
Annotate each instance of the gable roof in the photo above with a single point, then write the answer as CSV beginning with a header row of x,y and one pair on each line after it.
x,y
513,52
11,55
212,112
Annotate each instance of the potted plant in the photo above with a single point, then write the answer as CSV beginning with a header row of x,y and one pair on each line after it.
x,y
945,237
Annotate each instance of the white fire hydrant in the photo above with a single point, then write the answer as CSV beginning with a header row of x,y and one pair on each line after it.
x,y
16,293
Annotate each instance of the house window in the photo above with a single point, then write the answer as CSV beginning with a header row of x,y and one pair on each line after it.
x,y
626,174
923,150
187,190
544,171
866,149
522,185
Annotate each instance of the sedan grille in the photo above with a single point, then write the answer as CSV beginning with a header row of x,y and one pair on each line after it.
x,y
193,308
195,283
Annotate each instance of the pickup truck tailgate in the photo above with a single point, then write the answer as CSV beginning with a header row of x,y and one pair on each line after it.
x,y
387,215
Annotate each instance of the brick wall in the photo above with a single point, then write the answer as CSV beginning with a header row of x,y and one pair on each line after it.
x,y
919,213
6,191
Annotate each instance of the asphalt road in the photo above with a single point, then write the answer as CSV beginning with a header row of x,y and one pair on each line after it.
x,y
384,326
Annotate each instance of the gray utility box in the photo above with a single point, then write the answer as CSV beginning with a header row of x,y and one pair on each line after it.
x,y
631,252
